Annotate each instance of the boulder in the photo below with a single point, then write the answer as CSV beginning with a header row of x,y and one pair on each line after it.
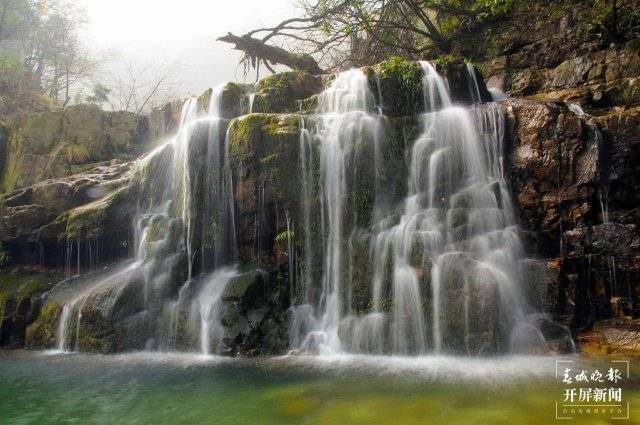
x,y
21,291
284,92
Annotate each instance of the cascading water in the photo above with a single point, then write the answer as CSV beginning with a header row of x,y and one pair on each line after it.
x,y
446,270
207,308
474,87
342,122
442,255
156,209
165,231
217,238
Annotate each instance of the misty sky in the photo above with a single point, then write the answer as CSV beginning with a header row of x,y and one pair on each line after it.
x,y
183,31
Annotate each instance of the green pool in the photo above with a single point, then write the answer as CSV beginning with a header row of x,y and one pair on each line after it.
x,y
150,388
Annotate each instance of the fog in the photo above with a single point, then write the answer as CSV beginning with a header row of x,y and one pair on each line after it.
x,y
158,33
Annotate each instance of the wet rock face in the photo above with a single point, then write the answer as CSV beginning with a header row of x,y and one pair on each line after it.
x,y
621,131
573,180
397,85
21,298
554,170
264,154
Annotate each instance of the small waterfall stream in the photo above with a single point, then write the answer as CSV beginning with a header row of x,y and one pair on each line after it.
x,y
207,308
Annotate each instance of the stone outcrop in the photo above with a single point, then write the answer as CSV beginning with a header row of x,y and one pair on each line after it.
x,y
37,223
21,301
595,80
46,145
572,181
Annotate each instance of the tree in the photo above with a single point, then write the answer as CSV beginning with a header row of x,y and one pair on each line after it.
x,y
56,54
15,17
43,37
99,96
618,20
138,88
359,32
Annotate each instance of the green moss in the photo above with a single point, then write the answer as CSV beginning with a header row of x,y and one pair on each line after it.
x,y
261,136
283,236
401,82
95,334
242,131
286,92
83,223
42,333
308,105
233,101
445,59
19,286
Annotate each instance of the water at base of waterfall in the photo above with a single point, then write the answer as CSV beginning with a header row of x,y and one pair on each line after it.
x,y
148,388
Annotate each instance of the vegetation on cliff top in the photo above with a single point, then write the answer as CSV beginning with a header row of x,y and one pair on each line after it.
x,y
354,32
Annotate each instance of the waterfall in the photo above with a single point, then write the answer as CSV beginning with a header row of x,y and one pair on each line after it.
x,y
207,308
343,117
68,331
218,208
496,94
166,228
445,263
410,240
474,87
218,238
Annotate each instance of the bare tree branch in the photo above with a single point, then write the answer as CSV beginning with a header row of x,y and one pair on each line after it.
x,y
256,49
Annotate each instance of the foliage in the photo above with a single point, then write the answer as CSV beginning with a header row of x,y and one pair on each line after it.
x,y
11,66
283,236
99,96
364,32
77,153
43,49
614,20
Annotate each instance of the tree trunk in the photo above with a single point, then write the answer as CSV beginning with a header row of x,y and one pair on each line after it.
x,y
255,48
3,18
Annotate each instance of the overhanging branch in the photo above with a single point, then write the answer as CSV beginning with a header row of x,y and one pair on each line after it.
x,y
257,49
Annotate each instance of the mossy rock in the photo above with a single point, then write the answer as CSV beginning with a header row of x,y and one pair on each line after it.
x,y
43,332
286,92
233,101
270,143
20,302
400,82
95,332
